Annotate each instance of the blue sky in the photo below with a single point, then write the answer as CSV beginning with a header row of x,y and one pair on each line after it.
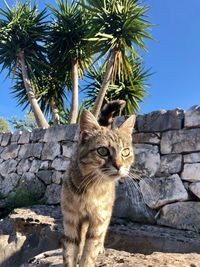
x,y
174,58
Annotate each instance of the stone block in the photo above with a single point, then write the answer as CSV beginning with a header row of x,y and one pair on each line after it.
x,y
60,133
180,141
15,136
8,166
146,138
130,205
25,137
192,117
195,189
52,194
191,172
67,149
158,192
57,177
35,165
191,158
32,185
162,120
147,159
8,184
10,152
180,215
23,166
170,164
37,135
60,164
45,176
6,139
31,150
50,151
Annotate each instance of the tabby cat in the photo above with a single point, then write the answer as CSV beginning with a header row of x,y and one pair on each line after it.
x,y
101,157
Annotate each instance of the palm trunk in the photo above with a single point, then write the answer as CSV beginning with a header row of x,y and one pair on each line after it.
x,y
100,97
39,116
54,112
74,104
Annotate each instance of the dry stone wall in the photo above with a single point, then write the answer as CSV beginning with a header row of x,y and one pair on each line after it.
x,y
164,185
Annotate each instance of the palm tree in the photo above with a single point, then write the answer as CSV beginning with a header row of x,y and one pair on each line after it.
x,y
21,36
131,89
119,27
69,50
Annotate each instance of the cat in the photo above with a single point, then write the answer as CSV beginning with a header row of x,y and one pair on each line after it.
x,y
102,156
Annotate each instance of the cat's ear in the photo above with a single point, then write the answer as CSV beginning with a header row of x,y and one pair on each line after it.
x,y
88,123
128,125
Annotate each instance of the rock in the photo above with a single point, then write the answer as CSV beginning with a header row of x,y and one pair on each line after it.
x,y
191,172
6,139
129,203
50,151
27,232
191,158
170,164
161,191
37,135
52,194
25,137
45,176
44,165
60,133
15,137
8,184
1,136
146,138
192,117
23,166
60,164
67,149
195,189
32,185
30,150
10,152
35,165
57,177
162,120
180,215
8,166
147,159
114,258
180,141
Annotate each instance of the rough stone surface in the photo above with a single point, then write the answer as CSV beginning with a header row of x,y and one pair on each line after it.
x,y
191,158
8,166
161,191
170,164
60,133
191,172
60,164
180,215
195,189
10,152
30,150
146,138
57,177
8,184
35,165
180,141
31,184
6,139
129,203
38,135
161,120
68,149
114,258
25,137
45,176
192,117
15,137
27,232
50,151
52,194
147,159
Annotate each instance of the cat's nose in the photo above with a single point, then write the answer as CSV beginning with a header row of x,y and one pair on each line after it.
x,y
117,164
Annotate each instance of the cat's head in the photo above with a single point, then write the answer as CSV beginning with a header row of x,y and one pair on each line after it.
x,y
106,151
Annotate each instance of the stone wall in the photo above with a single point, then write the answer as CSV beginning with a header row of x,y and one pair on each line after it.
x,y
164,187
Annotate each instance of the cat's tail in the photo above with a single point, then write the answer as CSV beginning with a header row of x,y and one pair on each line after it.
x,y
109,111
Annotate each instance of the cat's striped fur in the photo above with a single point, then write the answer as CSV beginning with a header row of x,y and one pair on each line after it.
x,y
102,156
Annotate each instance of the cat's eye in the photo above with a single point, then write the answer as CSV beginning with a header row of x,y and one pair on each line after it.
x,y
103,151
125,152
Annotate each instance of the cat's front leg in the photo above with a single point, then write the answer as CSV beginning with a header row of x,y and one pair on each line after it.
x,y
93,243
